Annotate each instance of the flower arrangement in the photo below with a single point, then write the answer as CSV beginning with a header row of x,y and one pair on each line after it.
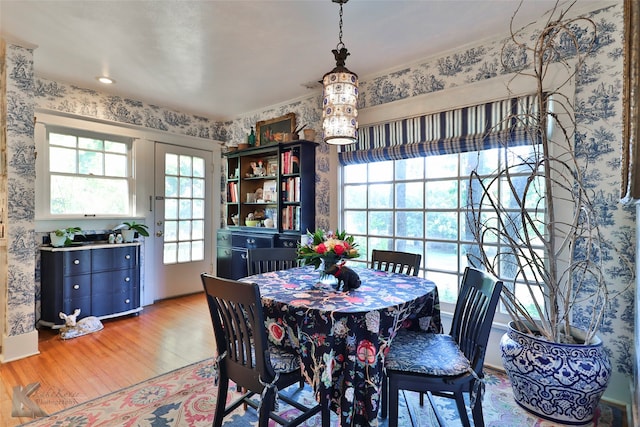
x,y
326,246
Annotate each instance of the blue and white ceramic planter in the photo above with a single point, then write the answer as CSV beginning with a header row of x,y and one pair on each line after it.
x,y
558,382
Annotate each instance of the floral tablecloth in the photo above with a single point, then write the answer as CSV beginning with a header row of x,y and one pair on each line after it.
x,y
342,337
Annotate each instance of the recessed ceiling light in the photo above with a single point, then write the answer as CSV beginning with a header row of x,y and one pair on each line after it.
x,y
105,80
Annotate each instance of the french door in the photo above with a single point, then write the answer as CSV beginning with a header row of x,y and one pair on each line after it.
x,y
182,224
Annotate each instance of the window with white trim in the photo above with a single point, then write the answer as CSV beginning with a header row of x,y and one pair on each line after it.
x,y
89,174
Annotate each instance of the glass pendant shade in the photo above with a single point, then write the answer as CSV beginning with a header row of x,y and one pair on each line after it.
x,y
340,112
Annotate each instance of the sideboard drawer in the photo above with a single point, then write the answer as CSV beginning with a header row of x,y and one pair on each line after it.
x,y
77,286
77,262
249,241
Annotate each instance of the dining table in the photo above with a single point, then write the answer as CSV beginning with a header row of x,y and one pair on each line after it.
x,y
342,337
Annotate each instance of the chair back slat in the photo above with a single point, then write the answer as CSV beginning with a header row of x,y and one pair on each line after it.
x,y
396,262
474,313
238,326
263,260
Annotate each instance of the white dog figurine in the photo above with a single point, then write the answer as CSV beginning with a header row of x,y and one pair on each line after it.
x,y
75,328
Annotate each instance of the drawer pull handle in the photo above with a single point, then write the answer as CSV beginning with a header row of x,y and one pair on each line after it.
x,y
251,241
76,287
127,301
127,256
127,279
243,256
76,261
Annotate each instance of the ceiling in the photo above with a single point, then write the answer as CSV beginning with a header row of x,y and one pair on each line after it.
x,y
219,59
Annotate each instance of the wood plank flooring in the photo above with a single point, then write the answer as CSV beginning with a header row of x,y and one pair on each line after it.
x,y
164,336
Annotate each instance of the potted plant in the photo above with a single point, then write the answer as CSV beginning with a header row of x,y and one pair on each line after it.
x,y
540,233
63,236
129,233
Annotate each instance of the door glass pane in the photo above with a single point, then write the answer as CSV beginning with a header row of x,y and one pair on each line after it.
x,y
186,186
171,164
184,251
170,186
170,253
185,165
171,209
197,250
198,209
198,188
185,209
170,231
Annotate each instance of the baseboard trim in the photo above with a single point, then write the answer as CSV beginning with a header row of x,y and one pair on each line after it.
x,y
16,347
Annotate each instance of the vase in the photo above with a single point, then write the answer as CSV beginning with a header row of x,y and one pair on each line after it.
x,y
57,241
128,235
559,382
326,264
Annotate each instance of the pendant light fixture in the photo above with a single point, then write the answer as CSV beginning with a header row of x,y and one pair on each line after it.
x,y
340,98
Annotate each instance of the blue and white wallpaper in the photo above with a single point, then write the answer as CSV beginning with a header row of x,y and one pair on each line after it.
x,y
599,112
21,174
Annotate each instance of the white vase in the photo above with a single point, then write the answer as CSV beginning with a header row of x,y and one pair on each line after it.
x,y
128,235
57,241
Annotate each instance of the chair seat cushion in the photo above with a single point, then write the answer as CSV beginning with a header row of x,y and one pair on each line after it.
x,y
282,360
428,354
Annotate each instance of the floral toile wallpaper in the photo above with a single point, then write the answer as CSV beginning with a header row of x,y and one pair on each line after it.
x,y
598,97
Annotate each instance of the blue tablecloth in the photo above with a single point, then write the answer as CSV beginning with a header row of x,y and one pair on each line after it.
x,y
342,337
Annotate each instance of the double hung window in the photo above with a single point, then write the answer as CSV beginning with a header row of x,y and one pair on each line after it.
x,y
88,174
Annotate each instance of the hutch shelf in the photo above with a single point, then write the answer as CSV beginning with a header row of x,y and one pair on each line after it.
x,y
270,195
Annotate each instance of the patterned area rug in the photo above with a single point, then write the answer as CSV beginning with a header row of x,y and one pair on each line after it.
x,y
187,397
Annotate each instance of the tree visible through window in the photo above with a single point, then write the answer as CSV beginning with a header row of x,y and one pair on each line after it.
x,y
89,174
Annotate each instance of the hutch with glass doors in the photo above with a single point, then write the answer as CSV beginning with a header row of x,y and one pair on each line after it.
x,y
270,194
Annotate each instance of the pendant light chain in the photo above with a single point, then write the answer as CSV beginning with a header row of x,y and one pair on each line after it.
x,y
340,44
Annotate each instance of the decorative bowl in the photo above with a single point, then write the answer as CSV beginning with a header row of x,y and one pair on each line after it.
x,y
251,222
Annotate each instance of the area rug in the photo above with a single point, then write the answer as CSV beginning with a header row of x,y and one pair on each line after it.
x,y
187,397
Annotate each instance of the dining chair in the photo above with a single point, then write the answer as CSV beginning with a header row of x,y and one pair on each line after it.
x,y
263,260
446,365
396,262
246,357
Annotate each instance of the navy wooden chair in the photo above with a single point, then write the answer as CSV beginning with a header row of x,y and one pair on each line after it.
x,y
446,365
246,357
396,262
263,260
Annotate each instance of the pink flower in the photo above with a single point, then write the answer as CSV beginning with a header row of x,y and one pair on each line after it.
x,y
339,249
321,248
366,352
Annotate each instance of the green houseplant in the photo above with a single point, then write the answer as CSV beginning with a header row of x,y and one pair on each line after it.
x,y
128,234
537,227
63,236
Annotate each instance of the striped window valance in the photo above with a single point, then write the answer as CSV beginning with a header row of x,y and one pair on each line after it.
x,y
510,121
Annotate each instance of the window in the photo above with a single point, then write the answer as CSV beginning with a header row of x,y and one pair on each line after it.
x,y
405,184
418,205
89,174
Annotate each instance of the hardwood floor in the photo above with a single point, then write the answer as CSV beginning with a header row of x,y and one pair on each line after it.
x,y
165,336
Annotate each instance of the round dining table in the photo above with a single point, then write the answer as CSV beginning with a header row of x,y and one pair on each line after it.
x,y
342,337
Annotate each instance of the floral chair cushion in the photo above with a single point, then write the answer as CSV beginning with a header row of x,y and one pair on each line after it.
x,y
428,354
282,360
